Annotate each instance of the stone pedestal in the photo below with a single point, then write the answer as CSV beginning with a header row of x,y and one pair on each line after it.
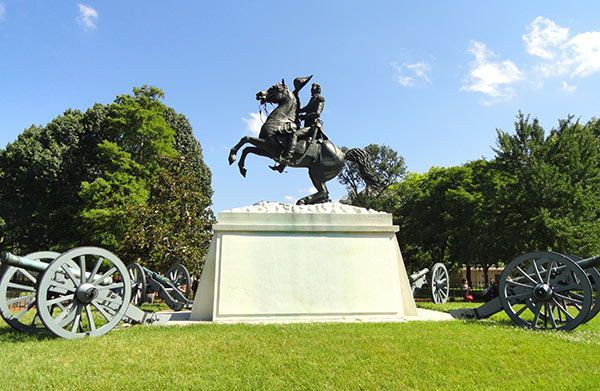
x,y
274,261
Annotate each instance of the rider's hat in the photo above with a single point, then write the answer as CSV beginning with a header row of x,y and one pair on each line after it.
x,y
300,82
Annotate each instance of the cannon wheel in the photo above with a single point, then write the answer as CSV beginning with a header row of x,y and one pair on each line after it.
x,y
180,277
440,289
138,284
545,290
88,282
22,300
594,276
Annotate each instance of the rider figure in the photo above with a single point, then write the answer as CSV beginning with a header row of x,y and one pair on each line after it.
x,y
313,126
313,109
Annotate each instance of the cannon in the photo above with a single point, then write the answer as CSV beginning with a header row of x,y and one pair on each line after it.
x,y
85,291
544,290
174,289
438,283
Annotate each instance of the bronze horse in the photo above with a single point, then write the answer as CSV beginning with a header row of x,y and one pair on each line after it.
x,y
323,159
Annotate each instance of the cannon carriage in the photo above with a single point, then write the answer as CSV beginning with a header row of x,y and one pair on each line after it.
x,y
86,291
544,290
438,282
174,288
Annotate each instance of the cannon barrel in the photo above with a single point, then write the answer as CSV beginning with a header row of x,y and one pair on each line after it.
x,y
39,266
25,263
415,276
589,262
158,277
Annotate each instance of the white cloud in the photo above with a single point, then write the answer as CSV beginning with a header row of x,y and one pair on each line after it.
x,y
290,199
87,17
544,37
2,11
406,74
254,123
584,49
578,56
568,88
420,69
492,78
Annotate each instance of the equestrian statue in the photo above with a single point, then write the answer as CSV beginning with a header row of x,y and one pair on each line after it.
x,y
283,139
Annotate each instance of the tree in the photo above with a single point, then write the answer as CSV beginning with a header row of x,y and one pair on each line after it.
x,y
444,216
175,226
549,197
433,211
77,180
137,135
186,144
388,166
39,182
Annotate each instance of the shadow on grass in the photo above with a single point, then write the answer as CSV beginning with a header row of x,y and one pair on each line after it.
x,y
11,335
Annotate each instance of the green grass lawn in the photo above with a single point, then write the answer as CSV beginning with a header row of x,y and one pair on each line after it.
x,y
456,355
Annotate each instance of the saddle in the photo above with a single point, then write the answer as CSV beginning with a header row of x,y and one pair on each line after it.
x,y
304,147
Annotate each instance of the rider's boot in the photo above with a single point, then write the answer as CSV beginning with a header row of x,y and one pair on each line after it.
x,y
286,156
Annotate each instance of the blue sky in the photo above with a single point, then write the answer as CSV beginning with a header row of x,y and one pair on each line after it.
x,y
431,79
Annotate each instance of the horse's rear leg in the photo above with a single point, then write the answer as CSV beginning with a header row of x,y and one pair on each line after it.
x,y
322,194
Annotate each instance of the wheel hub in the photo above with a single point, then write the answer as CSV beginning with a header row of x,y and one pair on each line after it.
x,y
543,292
85,293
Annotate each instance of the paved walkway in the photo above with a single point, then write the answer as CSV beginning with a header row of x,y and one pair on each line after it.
x,y
182,318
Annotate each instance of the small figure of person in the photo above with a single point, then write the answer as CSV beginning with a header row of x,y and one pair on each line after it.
x,y
466,290
493,289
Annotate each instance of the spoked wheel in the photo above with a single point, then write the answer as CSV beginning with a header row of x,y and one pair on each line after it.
x,y
17,294
92,286
594,277
180,277
138,283
440,288
545,290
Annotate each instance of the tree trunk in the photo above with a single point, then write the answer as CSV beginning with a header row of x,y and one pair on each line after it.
x,y
468,272
486,279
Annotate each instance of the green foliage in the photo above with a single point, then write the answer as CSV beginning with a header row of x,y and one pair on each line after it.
x,y
186,144
550,191
104,218
438,215
78,180
39,182
541,192
175,226
388,167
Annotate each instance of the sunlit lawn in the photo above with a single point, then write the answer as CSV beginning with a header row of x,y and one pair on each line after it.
x,y
454,355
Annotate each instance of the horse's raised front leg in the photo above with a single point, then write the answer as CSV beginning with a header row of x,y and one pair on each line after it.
x,y
257,142
236,148
245,152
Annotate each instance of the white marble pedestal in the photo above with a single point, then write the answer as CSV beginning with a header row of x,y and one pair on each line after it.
x,y
274,261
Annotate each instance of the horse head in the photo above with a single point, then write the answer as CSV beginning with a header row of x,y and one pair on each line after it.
x,y
276,94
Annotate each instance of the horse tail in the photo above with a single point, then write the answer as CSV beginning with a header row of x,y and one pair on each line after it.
x,y
363,161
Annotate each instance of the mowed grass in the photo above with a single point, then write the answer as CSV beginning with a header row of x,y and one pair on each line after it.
x,y
456,355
